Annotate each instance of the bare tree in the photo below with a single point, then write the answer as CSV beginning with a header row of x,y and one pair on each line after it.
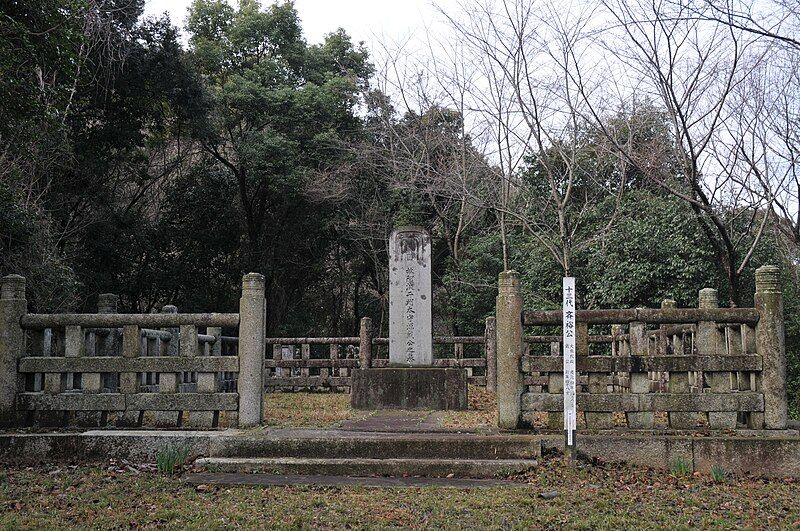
x,y
691,68
777,20
527,54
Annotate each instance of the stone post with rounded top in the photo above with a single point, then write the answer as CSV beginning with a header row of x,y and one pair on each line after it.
x,y
13,306
770,345
509,350
252,326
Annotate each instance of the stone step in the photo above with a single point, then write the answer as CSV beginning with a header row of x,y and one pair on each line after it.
x,y
360,467
273,480
382,446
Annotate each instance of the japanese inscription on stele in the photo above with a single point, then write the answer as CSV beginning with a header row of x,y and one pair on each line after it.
x,y
410,328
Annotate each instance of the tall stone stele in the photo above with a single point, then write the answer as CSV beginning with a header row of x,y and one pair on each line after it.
x,y
410,328
411,381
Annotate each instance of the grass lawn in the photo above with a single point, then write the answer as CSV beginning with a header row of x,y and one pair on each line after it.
x,y
589,497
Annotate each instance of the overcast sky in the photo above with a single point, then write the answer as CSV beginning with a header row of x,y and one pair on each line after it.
x,y
362,19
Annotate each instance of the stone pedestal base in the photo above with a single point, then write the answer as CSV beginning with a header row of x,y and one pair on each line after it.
x,y
409,388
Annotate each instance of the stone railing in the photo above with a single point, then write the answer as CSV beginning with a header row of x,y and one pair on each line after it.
x,y
682,368
161,369
325,363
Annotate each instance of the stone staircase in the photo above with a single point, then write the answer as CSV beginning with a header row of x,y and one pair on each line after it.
x,y
365,454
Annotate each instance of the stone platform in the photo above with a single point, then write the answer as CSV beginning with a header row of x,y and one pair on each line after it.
x,y
436,388
337,452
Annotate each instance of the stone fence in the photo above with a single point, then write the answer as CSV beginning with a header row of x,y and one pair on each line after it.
x,y
682,368
324,363
705,367
161,369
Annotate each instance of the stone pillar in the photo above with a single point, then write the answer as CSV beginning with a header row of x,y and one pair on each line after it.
x,y
13,306
108,344
770,345
490,346
639,381
168,381
129,381
252,326
509,350
365,343
707,343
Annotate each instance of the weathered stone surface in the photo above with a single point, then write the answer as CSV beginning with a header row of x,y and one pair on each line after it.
x,y
266,480
761,456
410,325
770,344
651,451
145,320
473,468
71,402
777,455
183,401
251,350
646,363
409,388
12,344
131,402
365,343
321,444
490,340
651,402
509,350
722,420
119,364
645,315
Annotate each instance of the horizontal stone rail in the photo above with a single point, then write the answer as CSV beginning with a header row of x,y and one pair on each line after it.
x,y
558,339
648,403
311,341
680,368
149,333
147,320
99,364
646,363
645,315
134,402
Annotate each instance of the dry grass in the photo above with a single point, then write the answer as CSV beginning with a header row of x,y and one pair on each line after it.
x,y
325,410
318,410
482,412
589,497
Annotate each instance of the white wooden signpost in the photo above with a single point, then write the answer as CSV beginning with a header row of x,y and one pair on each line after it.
x,y
570,379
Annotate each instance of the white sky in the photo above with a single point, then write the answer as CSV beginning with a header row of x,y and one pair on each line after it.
x,y
364,20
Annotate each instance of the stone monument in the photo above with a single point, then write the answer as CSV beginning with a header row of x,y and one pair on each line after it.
x,y
410,334
410,381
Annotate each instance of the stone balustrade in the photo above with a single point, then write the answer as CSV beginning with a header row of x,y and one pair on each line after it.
x,y
679,368
160,369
